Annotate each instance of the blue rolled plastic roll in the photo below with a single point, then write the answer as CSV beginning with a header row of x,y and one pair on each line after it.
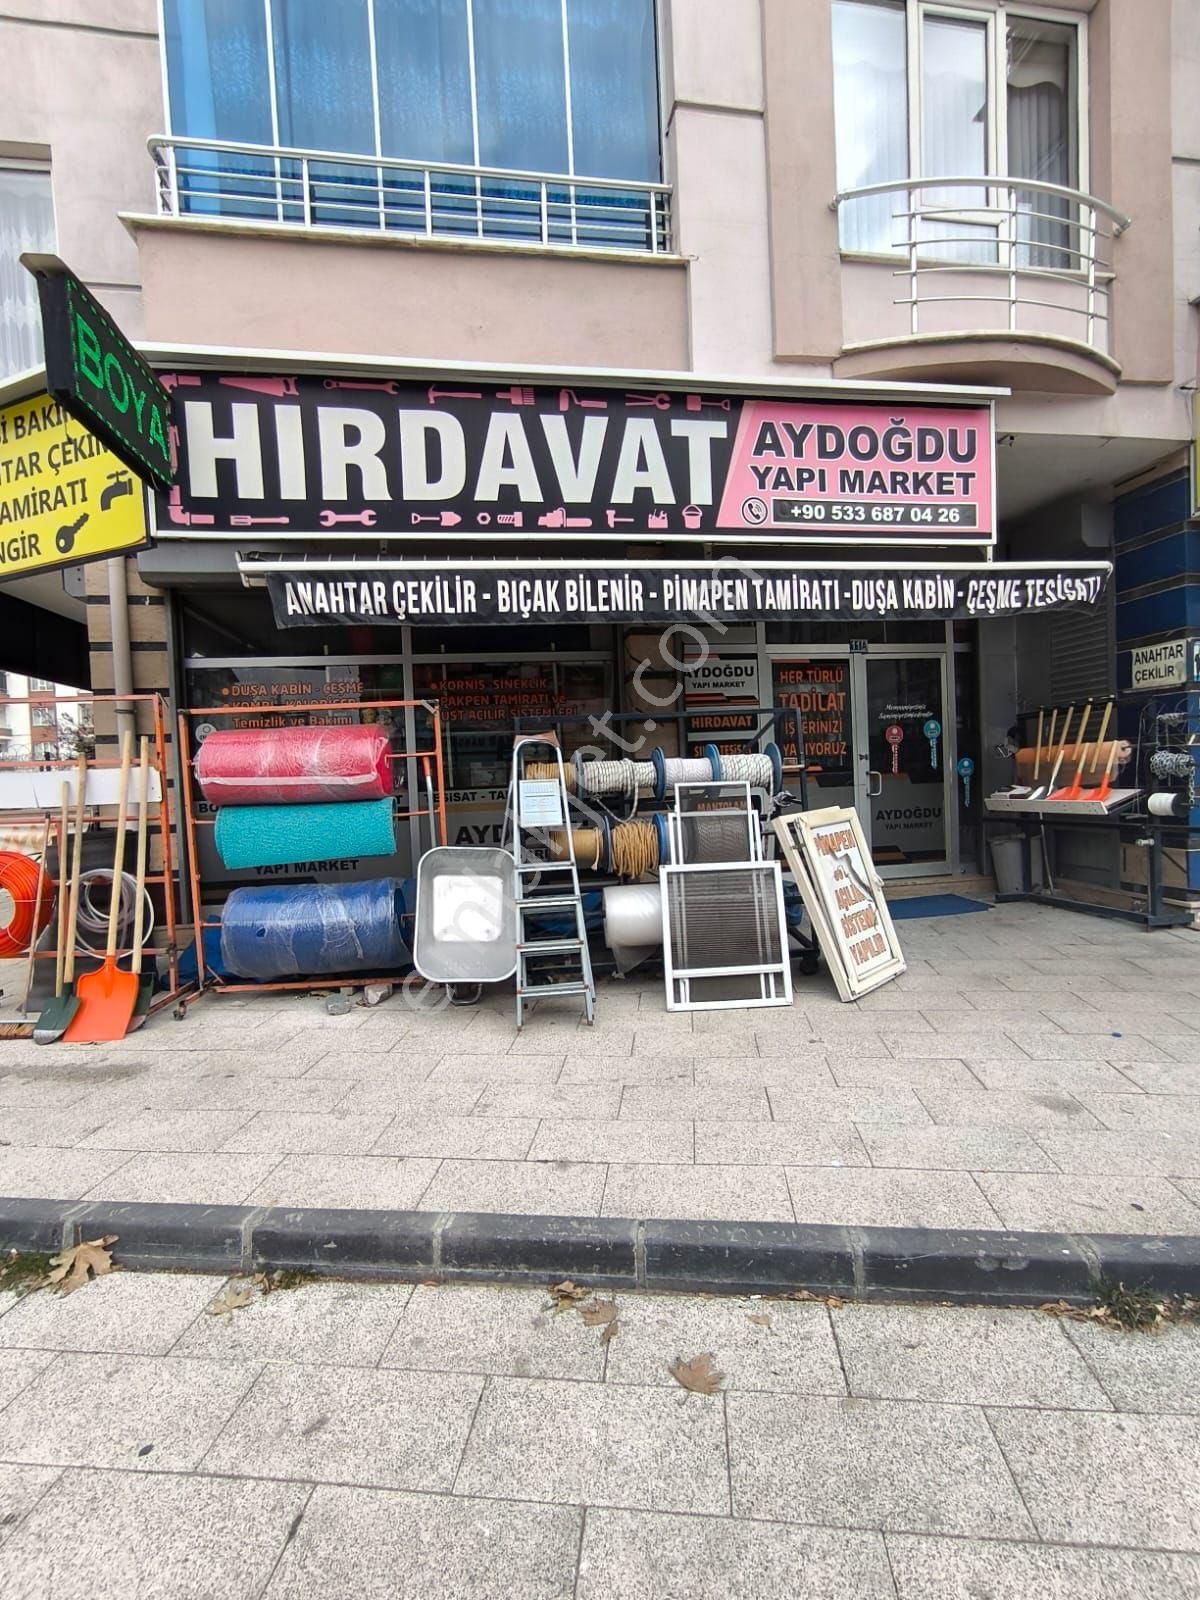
x,y
313,930
282,836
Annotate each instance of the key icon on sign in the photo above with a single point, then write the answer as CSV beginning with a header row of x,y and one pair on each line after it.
x,y
965,770
894,734
933,732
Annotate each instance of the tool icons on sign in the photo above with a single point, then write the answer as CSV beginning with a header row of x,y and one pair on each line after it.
x,y
65,537
754,511
933,732
518,395
277,387
695,402
966,771
558,518
894,734
330,519
441,519
568,397
436,394
389,387
660,402
244,521
118,485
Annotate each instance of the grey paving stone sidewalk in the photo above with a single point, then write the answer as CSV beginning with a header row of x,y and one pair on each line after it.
x,y
1032,1069
340,1441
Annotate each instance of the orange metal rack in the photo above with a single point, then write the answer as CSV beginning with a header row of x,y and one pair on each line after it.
x,y
428,762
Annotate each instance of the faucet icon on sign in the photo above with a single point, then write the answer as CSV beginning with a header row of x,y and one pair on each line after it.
x,y
119,484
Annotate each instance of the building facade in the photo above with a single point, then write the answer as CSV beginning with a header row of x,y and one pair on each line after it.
x,y
599,243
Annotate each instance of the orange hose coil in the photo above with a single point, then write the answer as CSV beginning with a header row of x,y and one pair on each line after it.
x,y
19,879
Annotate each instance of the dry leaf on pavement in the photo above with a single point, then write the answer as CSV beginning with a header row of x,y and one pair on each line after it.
x,y
760,1319
599,1313
70,1269
229,1300
700,1374
566,1294
833,1301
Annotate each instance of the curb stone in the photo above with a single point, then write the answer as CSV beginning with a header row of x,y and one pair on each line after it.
x,y
907,1264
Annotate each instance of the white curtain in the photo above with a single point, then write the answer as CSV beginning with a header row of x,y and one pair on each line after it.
x,y
26,223
1039,140
871,117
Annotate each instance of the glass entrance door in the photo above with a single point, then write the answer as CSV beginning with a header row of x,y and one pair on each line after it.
x,y
905,796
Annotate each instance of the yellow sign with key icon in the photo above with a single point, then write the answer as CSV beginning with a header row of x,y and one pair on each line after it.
x,y
64,498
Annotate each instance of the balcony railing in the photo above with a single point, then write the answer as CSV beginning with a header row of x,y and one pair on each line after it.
x,y
327,189
1038,251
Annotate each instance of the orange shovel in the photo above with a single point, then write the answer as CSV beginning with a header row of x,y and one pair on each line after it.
x,y
108,995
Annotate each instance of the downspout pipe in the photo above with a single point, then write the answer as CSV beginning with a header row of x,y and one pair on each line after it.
x,y
118,607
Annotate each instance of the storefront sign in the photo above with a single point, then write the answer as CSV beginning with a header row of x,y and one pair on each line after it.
x,y
97,375
717,593
830,860
64,498
344,459
714,688
1159,666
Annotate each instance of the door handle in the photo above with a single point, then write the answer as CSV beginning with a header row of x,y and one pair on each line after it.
x,y
873,794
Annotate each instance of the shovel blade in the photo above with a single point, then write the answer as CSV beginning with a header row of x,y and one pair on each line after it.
x,y
106,1001
57,1016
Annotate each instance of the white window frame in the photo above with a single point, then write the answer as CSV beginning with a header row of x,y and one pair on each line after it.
x,y
995,15
570,172
996,18
41,165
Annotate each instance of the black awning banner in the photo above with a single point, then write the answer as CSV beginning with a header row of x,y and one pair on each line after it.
x,y
462,594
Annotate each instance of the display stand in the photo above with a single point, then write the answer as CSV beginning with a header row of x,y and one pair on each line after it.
x,y
782,725
1147,831
30,792
428,763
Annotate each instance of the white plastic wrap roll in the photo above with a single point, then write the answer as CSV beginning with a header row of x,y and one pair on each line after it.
x,y
633,914
632,923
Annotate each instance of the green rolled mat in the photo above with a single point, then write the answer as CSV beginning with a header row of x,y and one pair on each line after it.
x,y
283,836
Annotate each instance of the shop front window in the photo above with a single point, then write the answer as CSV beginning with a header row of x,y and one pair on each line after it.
x,y
483,703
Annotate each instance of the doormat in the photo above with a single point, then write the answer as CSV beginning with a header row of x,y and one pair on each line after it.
x,y
934,905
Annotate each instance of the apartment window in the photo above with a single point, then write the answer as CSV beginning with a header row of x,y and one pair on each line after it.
x,y
564,87
935,91
26,223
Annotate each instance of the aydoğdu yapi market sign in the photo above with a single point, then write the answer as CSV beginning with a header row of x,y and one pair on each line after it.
x,y
352,458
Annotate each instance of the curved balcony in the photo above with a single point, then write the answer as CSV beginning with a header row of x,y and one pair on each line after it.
x,y
1007,280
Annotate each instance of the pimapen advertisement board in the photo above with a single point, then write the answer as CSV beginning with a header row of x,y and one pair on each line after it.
x,y
352,458
830,860
64,498
657,592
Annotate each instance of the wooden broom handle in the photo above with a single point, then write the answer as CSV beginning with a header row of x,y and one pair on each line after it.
x,y
1066,733
76,868
1037,758
114,904
1083,722
143,801
1104,720
64,877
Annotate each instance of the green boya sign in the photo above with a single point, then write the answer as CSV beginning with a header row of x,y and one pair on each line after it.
x,y
96,374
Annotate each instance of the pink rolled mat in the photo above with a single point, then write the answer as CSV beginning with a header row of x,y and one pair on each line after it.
x,y
294,766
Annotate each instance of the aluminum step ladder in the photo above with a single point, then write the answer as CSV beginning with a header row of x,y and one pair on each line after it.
x,y
538,811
